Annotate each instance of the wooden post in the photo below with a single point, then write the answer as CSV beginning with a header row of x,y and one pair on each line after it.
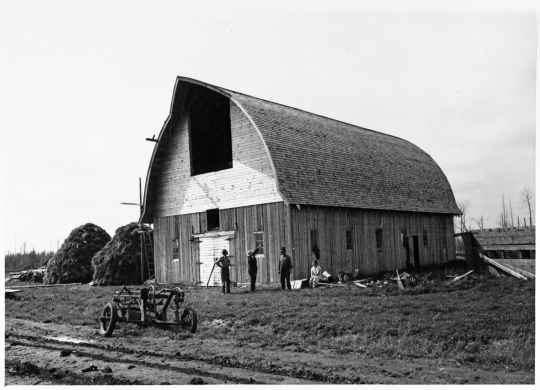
x,y
141,238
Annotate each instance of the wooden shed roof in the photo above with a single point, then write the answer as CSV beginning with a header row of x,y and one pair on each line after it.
x,y
321,161
503,238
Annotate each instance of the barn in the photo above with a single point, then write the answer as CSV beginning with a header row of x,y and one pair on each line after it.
x,y
232,171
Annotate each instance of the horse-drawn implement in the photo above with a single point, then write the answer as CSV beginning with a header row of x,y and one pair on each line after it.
x,y
145,307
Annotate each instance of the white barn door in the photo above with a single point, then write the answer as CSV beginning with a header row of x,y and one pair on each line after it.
x,y
210,248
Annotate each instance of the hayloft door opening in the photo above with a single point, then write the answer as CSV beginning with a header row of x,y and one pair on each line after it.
x,y
416,251
210,133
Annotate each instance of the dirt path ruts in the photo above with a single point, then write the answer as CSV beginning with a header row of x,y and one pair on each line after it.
x,y
155,360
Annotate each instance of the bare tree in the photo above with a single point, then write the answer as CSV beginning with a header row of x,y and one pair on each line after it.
x,y
463,206
511,213
526,196
479,222
503,218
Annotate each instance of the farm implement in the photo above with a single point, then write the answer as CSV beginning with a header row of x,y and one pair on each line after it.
x,y
145,307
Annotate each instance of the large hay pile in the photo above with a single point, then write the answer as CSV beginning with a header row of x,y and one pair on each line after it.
x,y
119,262
73,261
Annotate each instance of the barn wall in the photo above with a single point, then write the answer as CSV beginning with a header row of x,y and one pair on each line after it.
x,y
250,181
270,218
331,224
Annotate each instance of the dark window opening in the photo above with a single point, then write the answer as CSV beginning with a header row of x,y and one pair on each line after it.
x,y
444,241
425,239
176,241
314,238
526,254
212,219
210,133
259,241
378,239
404,237
176,249
349,238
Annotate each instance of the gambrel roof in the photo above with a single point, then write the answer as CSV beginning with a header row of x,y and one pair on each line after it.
x,y
321,161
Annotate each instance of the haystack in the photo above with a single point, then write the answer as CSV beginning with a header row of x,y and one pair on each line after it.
x,y
119,262
72,263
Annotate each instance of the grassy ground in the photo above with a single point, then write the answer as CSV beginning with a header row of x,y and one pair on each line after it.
x,y
480,319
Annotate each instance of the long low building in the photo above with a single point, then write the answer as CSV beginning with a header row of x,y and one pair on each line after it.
x,y
511,247
231,171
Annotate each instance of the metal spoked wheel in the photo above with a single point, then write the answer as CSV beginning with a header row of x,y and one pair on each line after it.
x,y
108,319
188,321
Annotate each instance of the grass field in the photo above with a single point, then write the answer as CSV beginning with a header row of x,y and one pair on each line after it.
x,y
480,319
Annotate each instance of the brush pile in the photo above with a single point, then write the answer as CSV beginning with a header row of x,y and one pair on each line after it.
x,y
119,262
73,261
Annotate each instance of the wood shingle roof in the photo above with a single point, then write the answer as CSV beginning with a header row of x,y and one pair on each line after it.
x,y
321,161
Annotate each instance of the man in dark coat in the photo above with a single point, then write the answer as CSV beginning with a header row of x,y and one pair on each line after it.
x,y
252,266
285,269
224,262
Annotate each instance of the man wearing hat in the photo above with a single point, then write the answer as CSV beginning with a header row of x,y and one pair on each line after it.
x,y
252,266
285,269
224,262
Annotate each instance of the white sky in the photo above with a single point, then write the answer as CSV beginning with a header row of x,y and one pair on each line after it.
x,y
84,83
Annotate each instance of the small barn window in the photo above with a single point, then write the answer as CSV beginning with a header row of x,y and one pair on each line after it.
x,y
212,219
259,241
378,239
314,238
176,240
349,238
176,249
425,239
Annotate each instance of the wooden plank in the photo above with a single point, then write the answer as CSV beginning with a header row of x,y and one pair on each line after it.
x,y
504,247
460,277
528,275
501,267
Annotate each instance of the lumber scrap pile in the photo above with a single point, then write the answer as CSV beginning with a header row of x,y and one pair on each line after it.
x,y
72,263
119,262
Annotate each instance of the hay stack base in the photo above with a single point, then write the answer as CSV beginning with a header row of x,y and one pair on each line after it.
x,y
73,261
119,262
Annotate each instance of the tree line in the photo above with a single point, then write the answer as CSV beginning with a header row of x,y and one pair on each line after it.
x,y
26,260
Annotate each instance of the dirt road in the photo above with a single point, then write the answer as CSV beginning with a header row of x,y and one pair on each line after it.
x,y
47,353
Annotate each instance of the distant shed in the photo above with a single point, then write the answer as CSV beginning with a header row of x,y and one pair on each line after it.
x,y
509,246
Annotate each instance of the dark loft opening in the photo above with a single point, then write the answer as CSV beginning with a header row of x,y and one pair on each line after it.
x,y
210,133
212,219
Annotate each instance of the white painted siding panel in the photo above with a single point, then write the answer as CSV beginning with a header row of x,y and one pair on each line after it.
x,y
250,181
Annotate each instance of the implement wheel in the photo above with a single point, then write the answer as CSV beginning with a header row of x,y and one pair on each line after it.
x,y
108,319
188,321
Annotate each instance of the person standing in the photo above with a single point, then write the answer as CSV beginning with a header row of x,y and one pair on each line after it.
x,y
224,263
285,269
252,266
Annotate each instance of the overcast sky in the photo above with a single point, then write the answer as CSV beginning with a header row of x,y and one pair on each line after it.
x,y
84,83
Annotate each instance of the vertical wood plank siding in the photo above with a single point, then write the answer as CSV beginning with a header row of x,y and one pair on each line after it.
x,y
331,224
287,226
268,218
250,181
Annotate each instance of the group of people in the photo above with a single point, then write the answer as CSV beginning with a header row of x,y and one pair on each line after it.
x,y
285,268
